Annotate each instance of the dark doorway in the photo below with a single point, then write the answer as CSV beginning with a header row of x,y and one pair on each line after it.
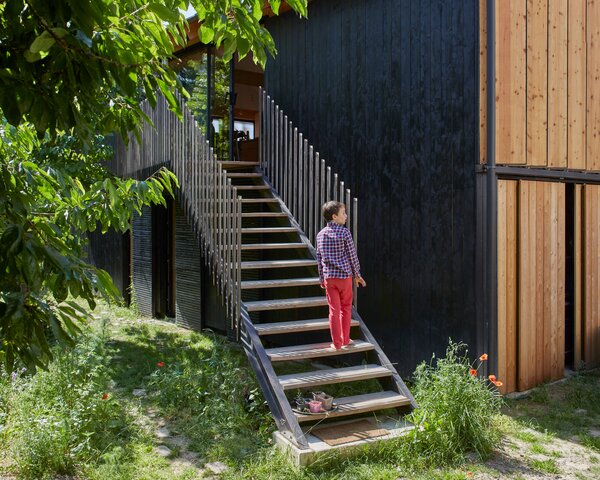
x,y
163,290
570,276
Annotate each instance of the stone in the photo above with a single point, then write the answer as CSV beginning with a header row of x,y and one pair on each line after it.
x,y
139,392
580,411
162,450
163,433
217,467
594,432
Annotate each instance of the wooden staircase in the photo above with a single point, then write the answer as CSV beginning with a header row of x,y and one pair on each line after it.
x,y
253,223
285,326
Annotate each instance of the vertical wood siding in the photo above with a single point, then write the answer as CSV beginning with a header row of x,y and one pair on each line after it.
x,y
142,261
387,91
547,83
591,275
188,273
531,283
507,284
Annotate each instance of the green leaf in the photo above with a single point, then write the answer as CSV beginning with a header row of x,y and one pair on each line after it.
x,y
207,34
42,43
164,12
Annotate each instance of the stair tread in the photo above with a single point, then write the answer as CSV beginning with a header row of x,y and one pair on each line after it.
x,y
272,246
334,375
244,175
315,350
284,282
296,326
260,200
236,164
356,404
269,230
252,187
303,302
279,263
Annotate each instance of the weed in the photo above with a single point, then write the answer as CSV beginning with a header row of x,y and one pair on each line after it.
x,y
540,395
590,442
537,449
456,409
545,466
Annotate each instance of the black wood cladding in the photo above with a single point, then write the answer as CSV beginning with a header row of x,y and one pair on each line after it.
x,y
188,273
142,261
388,93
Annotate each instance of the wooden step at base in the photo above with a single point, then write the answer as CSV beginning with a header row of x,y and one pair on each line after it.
x,y
316,449
334,375
368,402
285,282
315,350
279,263
307,302
295,326
273,246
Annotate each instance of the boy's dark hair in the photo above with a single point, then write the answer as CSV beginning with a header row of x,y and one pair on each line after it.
x,y
330,209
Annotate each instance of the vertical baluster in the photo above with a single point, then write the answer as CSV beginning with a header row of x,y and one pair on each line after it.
x,y
317,192
299,181
335,187
348,210
328,185
323,194
310,193
305,198
228,244
288,170
239,267
282,132
355,237
272,142
261,138
341,195
294,179
273,172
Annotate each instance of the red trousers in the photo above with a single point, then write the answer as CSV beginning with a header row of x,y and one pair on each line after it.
x,y
339,298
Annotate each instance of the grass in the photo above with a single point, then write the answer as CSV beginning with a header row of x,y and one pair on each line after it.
x,y
80,418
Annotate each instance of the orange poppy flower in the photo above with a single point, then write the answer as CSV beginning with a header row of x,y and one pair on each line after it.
x,y
105,396
469,474
498,383
160,364
483,357
492,378
473,372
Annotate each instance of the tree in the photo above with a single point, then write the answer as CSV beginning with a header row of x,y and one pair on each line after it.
x,y
71,70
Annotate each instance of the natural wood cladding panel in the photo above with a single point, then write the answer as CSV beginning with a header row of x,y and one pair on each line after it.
x,y
541,256
507,284
557,82
547,83
511,82
576,90
593,85
537,81
591,275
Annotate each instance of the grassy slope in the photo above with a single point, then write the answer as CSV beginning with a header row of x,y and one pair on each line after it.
x,y
206,394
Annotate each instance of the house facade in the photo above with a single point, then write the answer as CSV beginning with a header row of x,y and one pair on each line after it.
x,y
478,213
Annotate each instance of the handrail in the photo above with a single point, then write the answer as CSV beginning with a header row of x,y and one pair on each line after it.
x,y
207,196
298,174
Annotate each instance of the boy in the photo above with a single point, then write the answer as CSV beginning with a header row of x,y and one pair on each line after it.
x,y
338,264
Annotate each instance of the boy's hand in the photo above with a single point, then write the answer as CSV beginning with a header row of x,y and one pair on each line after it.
x,y
359,281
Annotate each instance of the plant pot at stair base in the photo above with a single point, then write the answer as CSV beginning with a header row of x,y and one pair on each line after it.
x,y
326,400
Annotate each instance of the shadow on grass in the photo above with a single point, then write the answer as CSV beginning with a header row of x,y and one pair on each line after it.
x,y
568,410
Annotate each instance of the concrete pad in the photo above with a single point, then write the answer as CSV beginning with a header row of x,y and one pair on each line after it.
x,y
317,447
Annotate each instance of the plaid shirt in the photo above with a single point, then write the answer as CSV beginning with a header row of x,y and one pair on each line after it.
x,y
336,254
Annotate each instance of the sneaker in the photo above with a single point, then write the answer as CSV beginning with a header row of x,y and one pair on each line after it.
x,y
351,342
331,345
